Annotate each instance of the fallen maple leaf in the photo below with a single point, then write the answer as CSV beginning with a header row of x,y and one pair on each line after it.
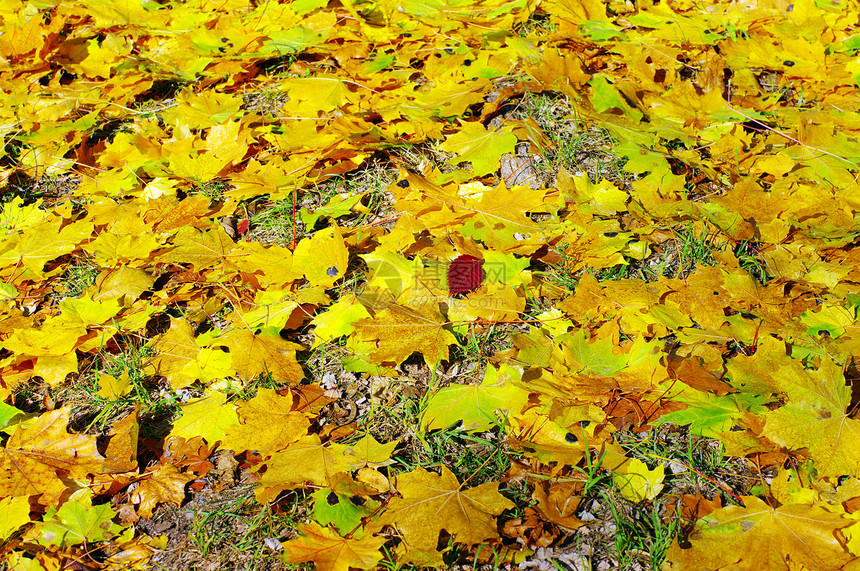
x,y
638,483
257,354
430,503
482,147
166,484
14,512
208,417
77,521
476,406
399,331
36,458
331,552
761,537
305,462
266,424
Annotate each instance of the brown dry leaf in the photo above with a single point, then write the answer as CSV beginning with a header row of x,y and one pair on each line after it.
x,y
693,507
531,529
191,454
166,484
558,504
690,372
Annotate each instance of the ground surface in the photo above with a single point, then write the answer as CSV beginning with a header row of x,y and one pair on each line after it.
x,y
535,285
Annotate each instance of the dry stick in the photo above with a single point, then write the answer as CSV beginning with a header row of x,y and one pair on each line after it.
x,y
368,517
792,139
657,402
618,395
478,469
293,221
527,163
736,497
764,483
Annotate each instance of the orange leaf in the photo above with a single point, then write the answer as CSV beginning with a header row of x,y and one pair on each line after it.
x,y
35,458
331,552
165,485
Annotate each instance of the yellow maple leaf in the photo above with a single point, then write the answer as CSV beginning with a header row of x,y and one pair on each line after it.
x,y
399,331
14,512
266,424
430,502
36,458
112,388
305,462
253,355
322,257
761,537
331,552
480,146
638,483
207,417
174,351
121,452
42,243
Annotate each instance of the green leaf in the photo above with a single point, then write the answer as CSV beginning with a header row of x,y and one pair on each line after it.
x,y
600,31
301,7
337,320
830,318
708,414
336,207
596,357
504,268
77,521
605,97
480,146
475,405
641,159
292,41
7,414
342,511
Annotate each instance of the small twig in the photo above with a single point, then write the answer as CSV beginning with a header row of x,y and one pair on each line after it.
x,y
736,497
